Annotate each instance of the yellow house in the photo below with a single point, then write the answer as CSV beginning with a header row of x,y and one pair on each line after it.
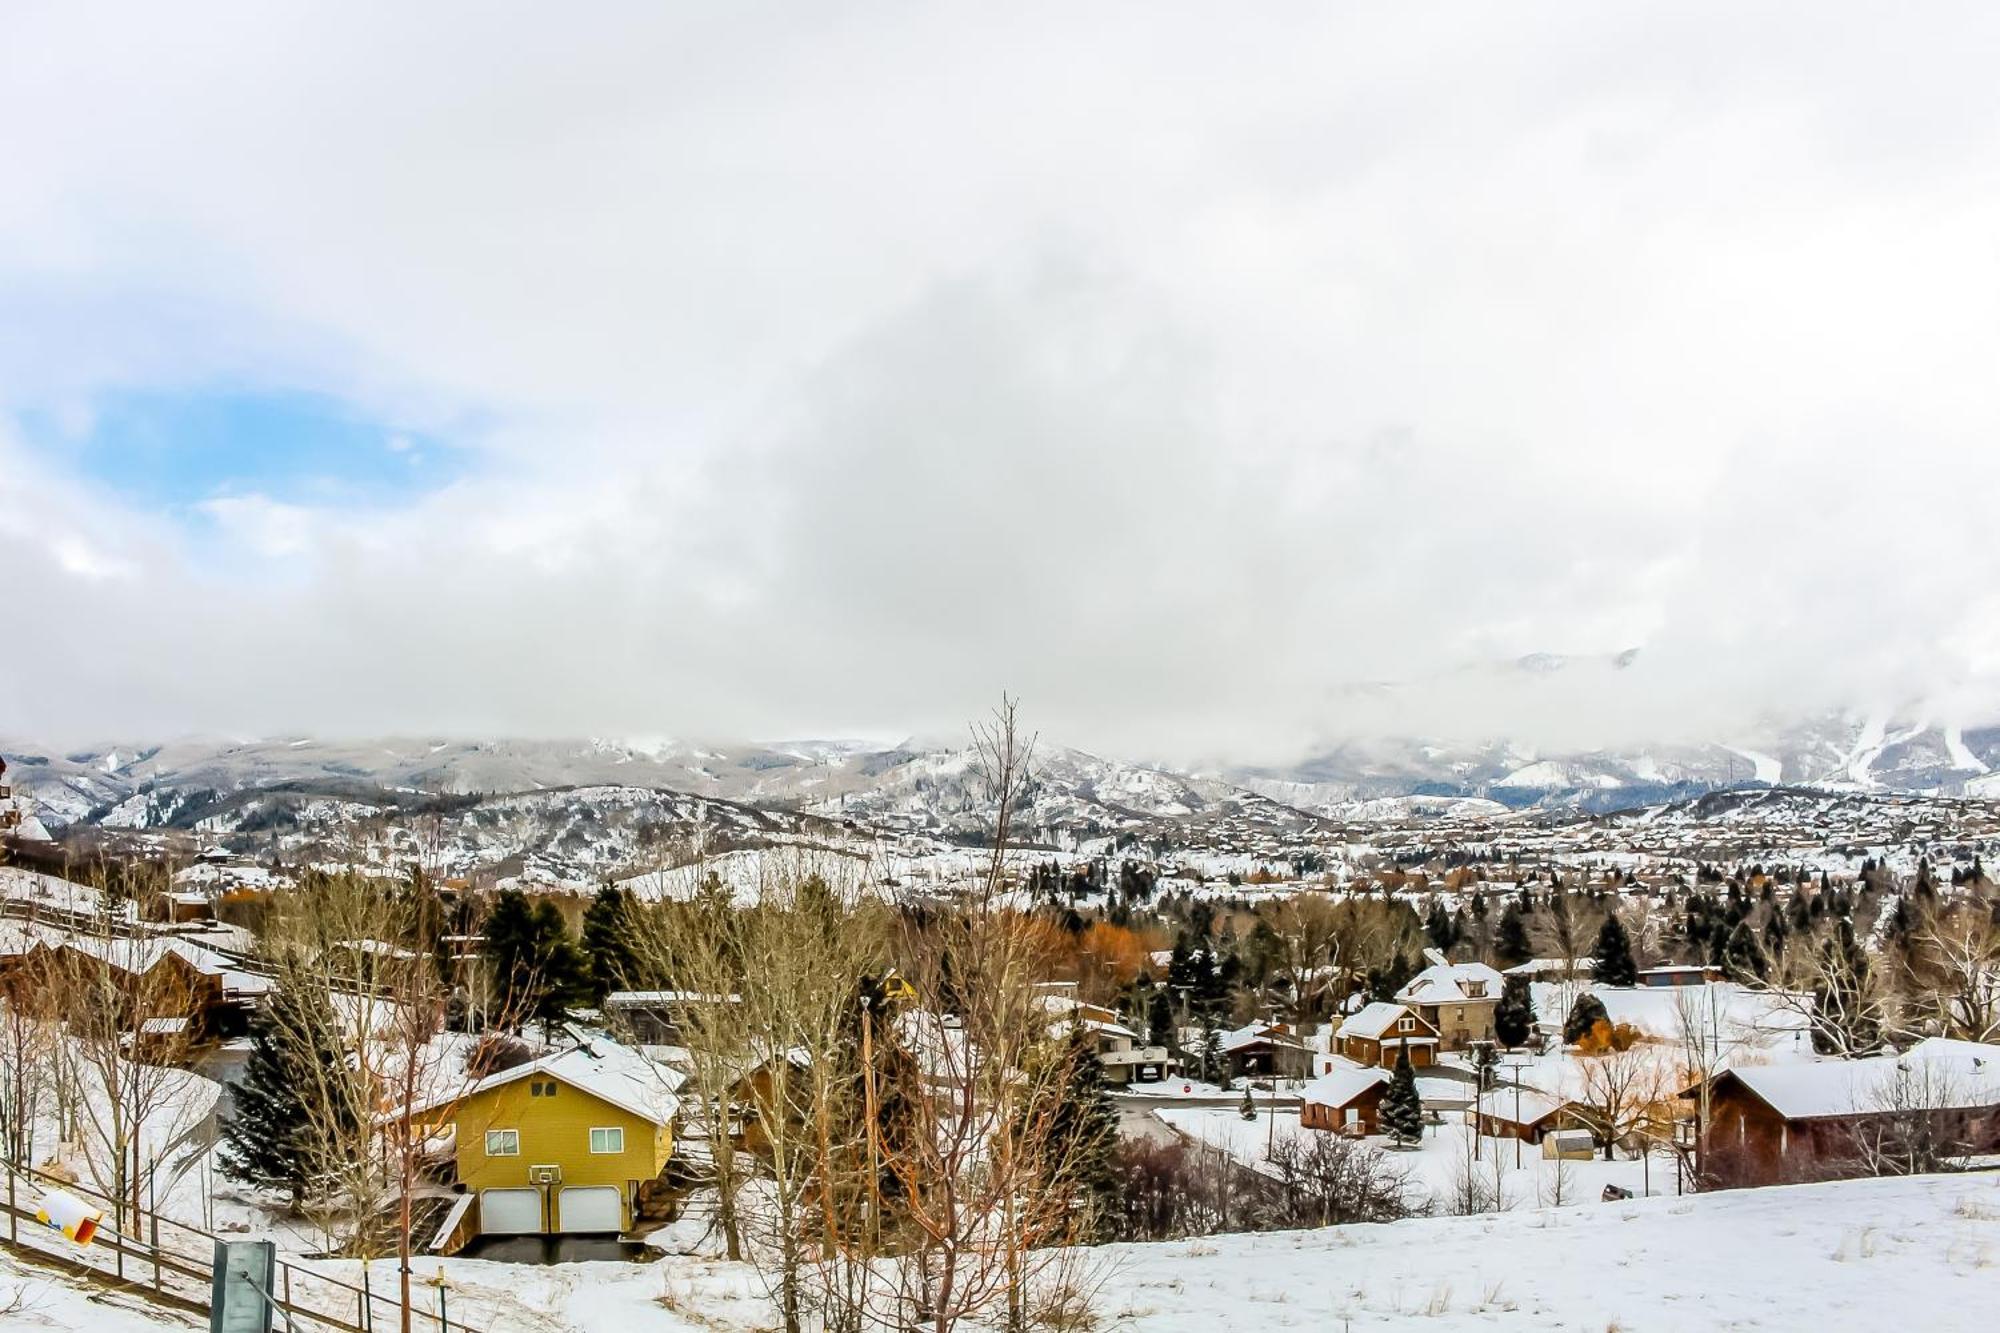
x,y
562,1144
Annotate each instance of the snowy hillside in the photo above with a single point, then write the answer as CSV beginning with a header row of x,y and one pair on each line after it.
x,y
1918,1253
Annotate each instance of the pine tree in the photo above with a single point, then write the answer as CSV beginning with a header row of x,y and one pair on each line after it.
x,y
1160,1020
1249,1108
1402,1108
1585,1014
1084,1138
607,942
1514,1015
537,968
272,1140
1742,957
1511,944
1438,926
1615,964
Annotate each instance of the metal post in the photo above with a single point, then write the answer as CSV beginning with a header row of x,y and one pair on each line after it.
x,y
153,1228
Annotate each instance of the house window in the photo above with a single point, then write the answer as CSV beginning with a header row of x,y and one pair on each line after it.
x,y
1406,1024
1461,1015
1475,990
503,1143
542,1088
607,1140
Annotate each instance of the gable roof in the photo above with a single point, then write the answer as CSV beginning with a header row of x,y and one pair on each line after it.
x,y
1377,1018
1339,1086
600,1068
1534,1107
1252,1033
1444,983
1934,1074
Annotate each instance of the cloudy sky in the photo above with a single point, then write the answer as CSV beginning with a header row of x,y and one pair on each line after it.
x,y
1191,371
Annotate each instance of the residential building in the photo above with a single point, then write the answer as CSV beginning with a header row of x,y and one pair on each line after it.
x,y
1346,1100
1806,1121
564,1143
1456,999
1378,1032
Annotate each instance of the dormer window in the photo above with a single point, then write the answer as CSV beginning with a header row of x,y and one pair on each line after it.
x,y
1475,990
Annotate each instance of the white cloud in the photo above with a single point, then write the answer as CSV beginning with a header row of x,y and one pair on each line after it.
x,y
1175,371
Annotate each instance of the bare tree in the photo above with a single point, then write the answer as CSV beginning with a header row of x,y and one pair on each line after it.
x,y
131,1007
1622,1088
1330,1180
1955,960
982,1167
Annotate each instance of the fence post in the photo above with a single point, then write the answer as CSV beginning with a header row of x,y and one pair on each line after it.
x,y
153,1225
13,1218
288,1295
367,1302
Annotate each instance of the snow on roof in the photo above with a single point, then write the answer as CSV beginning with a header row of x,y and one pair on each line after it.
x,y
1500,1104
627,998
1444,983
1342,1084
1374,1020
1534,967
618,1075
1935,1074
1252,1033
143,955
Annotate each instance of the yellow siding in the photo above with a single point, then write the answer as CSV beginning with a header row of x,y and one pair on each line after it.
x,y
555,1131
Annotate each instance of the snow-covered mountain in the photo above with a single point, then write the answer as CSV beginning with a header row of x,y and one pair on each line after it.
x,y
587,806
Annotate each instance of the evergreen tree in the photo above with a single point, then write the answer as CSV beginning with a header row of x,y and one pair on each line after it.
x,y
607,942
1585,1014
1402,1108
537,969
1842,1023
1249,1108
1160,1020
1083,1141
1438,925
272,1141
1615,964
1514,1015
1511,944
1742,957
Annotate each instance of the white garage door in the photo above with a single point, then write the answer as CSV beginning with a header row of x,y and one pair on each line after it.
x,y
591,1208
510,1212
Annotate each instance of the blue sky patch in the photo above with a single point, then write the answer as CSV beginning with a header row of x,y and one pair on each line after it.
x,y
176,448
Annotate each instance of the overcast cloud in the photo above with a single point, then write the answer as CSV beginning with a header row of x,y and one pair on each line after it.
x,y
1190,371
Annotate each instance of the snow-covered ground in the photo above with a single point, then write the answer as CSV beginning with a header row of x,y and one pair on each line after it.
x,y
1916,1253
1438,1162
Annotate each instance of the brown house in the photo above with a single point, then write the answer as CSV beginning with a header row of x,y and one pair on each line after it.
x,y
1346,1100
174,991
1267,1048
1773,1123
1520,1113
1378,1032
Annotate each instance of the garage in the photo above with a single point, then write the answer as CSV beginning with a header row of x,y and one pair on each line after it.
x,y
510,1212
591,1208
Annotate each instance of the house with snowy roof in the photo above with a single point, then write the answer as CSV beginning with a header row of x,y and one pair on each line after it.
x,y
1381,1031
562,1143
1265,1047
1346,1099
1801,1121
1456,999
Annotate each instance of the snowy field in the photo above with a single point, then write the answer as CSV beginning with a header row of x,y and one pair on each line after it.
x,y
1918,1253
1437,1163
